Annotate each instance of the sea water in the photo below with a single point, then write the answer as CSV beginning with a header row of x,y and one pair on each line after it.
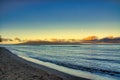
x,y
96,62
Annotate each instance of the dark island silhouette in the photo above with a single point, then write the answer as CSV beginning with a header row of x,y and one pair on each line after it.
x,y
88,40
0,39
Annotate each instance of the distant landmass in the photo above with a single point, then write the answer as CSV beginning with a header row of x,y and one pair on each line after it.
x,y
94,39
88,40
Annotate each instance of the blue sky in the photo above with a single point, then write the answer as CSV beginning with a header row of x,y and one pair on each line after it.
x,y
59,19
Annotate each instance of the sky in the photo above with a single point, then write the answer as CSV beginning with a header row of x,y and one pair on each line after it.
x,y
61,19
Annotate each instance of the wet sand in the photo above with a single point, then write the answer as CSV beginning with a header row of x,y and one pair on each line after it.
x,y
13,67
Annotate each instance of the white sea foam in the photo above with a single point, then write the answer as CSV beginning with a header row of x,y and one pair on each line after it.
x,y
74,72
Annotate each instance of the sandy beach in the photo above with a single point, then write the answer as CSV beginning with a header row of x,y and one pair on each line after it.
x,y
13,67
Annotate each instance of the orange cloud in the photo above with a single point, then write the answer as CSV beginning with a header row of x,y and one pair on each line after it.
x,y
90,38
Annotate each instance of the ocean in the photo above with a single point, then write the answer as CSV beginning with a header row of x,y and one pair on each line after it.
x,y
96,62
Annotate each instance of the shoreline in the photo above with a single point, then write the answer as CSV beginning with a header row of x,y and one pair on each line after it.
x,y
13,67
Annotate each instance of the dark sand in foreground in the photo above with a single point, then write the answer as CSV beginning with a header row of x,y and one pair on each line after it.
x,y
14,68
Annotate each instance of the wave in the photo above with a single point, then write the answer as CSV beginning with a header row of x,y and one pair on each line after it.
x,y
78,67
71,71
108,60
